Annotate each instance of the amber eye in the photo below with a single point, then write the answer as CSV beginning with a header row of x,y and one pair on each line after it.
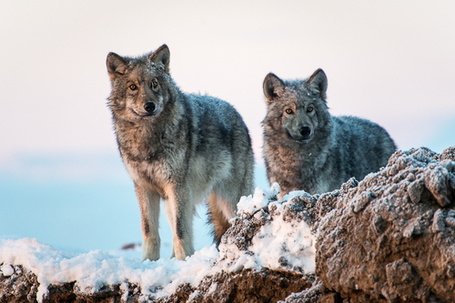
x,y
154,84
133,87
309,109
289,111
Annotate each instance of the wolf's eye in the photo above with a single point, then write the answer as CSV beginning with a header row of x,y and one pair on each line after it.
x,y
154,84
289,111
309,109
133,87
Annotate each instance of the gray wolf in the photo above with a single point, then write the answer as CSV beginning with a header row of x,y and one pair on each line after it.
x,y
177,147
305,148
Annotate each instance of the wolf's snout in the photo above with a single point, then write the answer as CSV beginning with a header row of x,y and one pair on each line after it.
x,y
149,107
305,131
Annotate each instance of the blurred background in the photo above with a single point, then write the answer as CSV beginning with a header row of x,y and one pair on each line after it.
x,y
61,177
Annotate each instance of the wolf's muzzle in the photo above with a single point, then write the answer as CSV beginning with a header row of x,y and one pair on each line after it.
x,y
149,107
305,132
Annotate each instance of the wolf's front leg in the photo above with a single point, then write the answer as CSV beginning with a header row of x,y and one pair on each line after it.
x,y
180,211
170,214
149,204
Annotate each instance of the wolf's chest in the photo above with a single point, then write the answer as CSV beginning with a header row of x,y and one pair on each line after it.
x,y
156,173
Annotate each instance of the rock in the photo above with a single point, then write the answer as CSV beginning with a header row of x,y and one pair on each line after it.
x,y
400,246
250,286
19,285
440,180
317,293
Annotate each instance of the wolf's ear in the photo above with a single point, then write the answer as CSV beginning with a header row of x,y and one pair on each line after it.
x,y
116,65
273,87
161,56
318,83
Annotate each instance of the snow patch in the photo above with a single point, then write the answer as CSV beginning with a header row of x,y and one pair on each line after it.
x,y
260,199
278,243
6,270
285,244
96,269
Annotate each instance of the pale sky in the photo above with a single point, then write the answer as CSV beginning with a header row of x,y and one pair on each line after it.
x,y
388,61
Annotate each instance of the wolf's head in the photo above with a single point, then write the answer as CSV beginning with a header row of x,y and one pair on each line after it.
x,y
141,87
296,110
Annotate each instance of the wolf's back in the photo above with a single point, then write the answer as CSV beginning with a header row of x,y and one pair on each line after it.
x,y
217,122
363,146
222,137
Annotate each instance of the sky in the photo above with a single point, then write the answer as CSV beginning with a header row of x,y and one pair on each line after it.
x,y
388,61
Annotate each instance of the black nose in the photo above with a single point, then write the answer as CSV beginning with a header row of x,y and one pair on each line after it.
x,y
305,131
149,107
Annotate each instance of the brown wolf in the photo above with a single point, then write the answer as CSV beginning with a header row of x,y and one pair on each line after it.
x,y
305,148
182,148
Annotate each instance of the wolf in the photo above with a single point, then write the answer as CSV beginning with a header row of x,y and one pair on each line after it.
x,y
177,147
306,148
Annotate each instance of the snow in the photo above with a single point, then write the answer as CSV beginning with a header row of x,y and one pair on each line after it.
x,y
285,244
279,244
97,268
259,200
6,270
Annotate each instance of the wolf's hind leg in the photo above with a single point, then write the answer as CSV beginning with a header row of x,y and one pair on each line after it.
x,y
220,212
149,204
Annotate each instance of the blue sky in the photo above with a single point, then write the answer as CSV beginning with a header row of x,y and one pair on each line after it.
x,y
388,61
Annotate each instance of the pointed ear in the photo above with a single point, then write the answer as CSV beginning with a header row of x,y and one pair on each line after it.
x,y
116,65
161,56
318,83
273,87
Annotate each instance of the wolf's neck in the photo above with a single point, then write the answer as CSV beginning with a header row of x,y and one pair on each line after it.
x,y
146,139
312,155
135,139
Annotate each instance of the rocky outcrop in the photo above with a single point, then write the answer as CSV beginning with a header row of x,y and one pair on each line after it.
x,y
387,238
391,237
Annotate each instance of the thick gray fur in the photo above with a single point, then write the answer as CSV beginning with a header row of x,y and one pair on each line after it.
x,y
180,148
305,148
